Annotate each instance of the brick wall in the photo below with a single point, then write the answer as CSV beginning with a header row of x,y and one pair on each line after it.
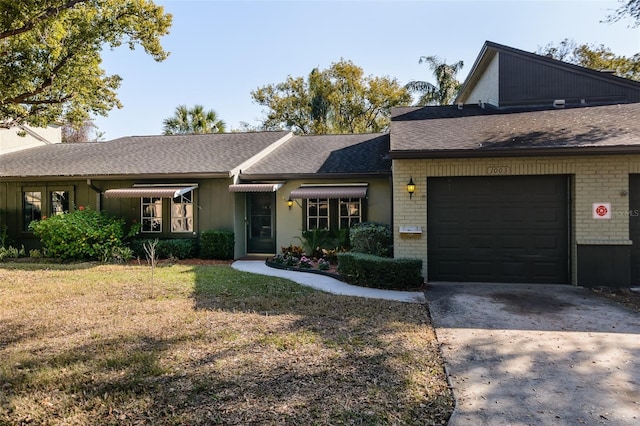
x,y
593,179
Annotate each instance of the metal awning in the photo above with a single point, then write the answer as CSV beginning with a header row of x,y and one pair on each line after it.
x,y
337,191
148,191
255,187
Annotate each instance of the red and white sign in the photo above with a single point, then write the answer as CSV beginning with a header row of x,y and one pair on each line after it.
x,y
601,210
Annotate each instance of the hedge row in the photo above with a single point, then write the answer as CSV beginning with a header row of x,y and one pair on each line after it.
x,y
210,245
368,270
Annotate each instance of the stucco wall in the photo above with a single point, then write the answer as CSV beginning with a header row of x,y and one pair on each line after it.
x,y
11,139
594,179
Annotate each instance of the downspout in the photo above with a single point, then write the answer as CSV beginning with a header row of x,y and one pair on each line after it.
x,y
98,192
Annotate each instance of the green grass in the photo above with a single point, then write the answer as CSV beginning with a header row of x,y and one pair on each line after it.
x,y
96,344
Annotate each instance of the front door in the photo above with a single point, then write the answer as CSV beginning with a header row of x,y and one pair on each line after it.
x,y
261,225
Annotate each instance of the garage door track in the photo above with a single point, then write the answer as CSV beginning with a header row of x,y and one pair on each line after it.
x,y
537,354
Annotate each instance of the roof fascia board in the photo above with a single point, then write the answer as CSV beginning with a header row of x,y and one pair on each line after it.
x,y
520,152
297,176
235,172
479,66
135,177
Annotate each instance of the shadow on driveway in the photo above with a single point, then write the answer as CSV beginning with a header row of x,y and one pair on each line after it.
x,y
520,354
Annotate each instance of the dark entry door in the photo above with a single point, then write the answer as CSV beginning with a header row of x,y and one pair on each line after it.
x,y
498,229
634,227
261,226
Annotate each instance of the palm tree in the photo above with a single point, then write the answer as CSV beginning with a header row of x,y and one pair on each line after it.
x,y
193,120
446,90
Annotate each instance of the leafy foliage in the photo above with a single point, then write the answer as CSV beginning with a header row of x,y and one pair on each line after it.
x,y
630,8
80,235
372,238
368,270
337,100
193,120
217,244
594,57
447,85
50,55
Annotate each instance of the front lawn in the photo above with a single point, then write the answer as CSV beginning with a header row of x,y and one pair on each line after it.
x,y
101,344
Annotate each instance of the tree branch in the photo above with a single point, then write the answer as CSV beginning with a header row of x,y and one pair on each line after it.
x,y
44,15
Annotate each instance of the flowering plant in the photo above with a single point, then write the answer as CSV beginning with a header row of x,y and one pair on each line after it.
x,y
324,264
305,262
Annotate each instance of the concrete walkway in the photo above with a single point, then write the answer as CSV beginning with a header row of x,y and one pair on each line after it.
x,y
537,354
327,284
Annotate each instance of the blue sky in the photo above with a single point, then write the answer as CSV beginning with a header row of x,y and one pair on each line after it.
x,y
222,50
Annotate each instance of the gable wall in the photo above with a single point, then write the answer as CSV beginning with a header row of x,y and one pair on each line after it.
x,y
486,89
594,179
524,81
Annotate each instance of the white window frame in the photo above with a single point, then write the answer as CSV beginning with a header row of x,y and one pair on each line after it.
x,y
318,203
182,213
352,219
153,208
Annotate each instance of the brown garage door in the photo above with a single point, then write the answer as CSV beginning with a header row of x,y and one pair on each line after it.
x,y
498,229
634,227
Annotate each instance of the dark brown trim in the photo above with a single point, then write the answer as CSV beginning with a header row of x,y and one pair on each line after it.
x,y
314,176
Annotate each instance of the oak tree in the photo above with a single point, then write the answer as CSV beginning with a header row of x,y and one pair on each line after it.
x,y
50,55
340,99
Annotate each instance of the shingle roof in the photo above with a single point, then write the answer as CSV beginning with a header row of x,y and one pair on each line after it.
x,y
140,155
447,128
327,154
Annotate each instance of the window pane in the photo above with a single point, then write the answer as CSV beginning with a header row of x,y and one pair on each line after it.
x,y
59,202
31,207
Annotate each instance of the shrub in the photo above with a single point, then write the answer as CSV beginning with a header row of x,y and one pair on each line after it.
x,y
372,238
11,252
179,248
368,270
217,244
80,235
314,240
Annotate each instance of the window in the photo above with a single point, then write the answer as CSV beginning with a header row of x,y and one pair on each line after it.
x,y
182,213
334,213
59,202
318,213
151,214
350,212
40,202
166,215
31,207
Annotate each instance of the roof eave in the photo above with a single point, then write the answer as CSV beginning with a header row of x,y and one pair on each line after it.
x,y
520,152
154,176
294,176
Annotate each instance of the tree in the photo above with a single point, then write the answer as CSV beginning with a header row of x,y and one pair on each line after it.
x,y
630,8
447,86
337,100
594,57
193,121
87,132
50,55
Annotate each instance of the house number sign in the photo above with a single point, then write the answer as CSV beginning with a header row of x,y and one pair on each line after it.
x,y
499,170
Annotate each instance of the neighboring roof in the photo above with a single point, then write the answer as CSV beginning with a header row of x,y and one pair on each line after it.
x,y
325,155
140,156
472,131
490,49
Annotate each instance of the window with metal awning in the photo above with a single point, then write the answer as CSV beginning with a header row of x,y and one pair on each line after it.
x,y
330,191
331,206
255,187
149,192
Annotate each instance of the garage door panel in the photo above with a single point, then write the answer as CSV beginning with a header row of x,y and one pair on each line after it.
x,y
634,227
514,229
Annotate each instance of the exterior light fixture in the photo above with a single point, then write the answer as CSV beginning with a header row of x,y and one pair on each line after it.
x,y
290,203
411,187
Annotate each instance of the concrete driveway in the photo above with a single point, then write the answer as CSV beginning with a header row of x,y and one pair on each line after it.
x,y
537,354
